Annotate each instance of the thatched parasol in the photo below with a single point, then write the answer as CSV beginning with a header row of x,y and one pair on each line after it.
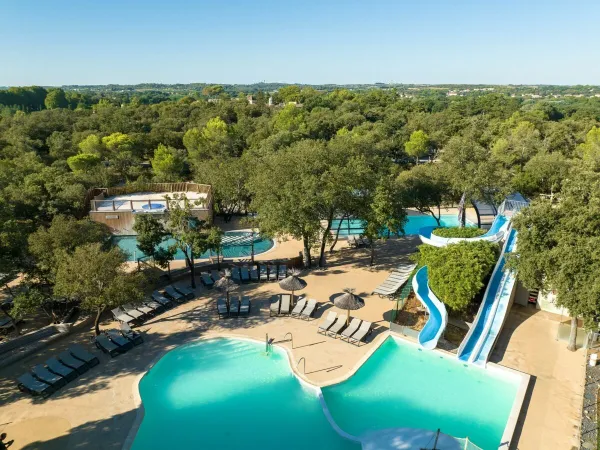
x,y
226,284
293,283
349,301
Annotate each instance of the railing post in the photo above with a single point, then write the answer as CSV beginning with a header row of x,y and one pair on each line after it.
x,y
113,205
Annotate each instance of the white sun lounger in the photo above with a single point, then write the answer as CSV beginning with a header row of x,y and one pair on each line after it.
x,y
132,311
354,324
339,324
121,316
300,304
309,310
361,334
286,300
394,282
326,324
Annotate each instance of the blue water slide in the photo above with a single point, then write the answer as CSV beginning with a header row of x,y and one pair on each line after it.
x,y
494,234
438,317
478,342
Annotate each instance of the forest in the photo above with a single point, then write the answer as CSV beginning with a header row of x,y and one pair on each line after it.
x,y
313,156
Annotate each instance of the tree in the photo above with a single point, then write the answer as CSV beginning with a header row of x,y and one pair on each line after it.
x,y
56,99
97,279
590,149
151,233
559,248
418,145
521,144
457,271
213,141
543,174
92,144
167,163
83,162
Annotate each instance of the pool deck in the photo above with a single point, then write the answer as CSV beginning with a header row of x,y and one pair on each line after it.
x,y
97,410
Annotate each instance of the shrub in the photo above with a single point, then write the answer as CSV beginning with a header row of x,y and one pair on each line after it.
x,y
459,232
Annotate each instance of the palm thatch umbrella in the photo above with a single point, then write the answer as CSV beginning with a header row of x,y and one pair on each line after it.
x,y
226,284
293,283
348,301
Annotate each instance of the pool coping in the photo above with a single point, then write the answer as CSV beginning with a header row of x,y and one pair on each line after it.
x,y
317,387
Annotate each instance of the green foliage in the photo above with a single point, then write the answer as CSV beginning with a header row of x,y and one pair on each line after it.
x,y
590,149
167,164
92,144
83,162
56,98
457,271
418,144
426,188
459,232
150,234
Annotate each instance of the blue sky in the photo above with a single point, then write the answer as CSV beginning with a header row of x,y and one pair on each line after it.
x,y
54,42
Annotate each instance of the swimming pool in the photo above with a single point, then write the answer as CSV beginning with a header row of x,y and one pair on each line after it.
x,y
228,394
236,244
412,226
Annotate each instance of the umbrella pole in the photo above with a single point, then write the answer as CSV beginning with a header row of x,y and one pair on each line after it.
x,y
292,298
348,318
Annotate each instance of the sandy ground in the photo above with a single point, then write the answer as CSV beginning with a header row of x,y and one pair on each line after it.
x,y
97,410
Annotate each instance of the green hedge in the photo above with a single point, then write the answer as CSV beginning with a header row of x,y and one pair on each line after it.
x,y
458,232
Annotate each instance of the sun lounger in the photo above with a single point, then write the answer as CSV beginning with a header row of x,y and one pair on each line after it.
x,y
274,307
234,306
339,324
215,275
81,353
43,374
245,273
326,324
286,300
27,383
159,298
207,281
272,272
132,335
235,274
142,307
155,306
130,310
186,291
310,309
245,306
354,324
282,273
122,341
394,282
55,366
107,346
121,316
171,292
70,361
364,330
264,275
300,304
222,308
254,274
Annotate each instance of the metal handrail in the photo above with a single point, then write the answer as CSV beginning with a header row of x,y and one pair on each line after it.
x,y
291,338
298,363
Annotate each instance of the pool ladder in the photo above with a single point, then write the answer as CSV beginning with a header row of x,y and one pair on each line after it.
x,y
268,344
303,359
291,338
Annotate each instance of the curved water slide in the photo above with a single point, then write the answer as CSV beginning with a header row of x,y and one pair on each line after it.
x,y
479,341
438,316
494,234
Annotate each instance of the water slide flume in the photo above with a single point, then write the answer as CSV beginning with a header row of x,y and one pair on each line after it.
x,y
438,316
495,234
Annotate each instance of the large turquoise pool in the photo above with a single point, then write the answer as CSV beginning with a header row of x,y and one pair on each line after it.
x,y
228,394
412,226
236,244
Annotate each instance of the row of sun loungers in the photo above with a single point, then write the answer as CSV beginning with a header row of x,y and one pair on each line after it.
x,y
304,309
56,372
116,342
355,240
335,326
394,281
236,307
245,274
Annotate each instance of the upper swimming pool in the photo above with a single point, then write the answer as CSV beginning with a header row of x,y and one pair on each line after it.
x,y
228,394
412,226
236,244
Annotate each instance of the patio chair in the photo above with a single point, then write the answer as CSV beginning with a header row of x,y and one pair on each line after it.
x,y
300,304
186,291
274,307
272,272
55,366
70,361
353,240
133,312
235,274
326,324
82,354
365,329
254,274
122,316
286,300
264,275
339,324
159,298
171,292
215,275
282,273
207,281
132,335
43,374
107,346
234,306
30,385
116,337
245,306
354,324
245,274
310,309
222,308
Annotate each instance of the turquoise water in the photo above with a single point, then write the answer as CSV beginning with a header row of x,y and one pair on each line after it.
x,y
414,223
226,394
402,386
236,244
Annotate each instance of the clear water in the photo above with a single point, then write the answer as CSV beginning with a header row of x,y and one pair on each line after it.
x,y
226,394
236,244
402,386
412,226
